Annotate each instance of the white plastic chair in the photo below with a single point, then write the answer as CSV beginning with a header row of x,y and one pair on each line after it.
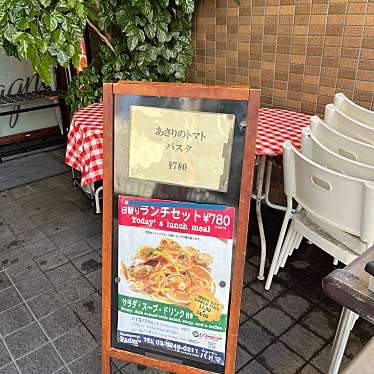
x,y
341,144
351,109
313,149
329,203
342,123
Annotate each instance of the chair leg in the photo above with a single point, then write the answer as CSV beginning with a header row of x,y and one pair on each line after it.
x,y
340,341
287,217
97,199
259,198
291,247
284,249
298,239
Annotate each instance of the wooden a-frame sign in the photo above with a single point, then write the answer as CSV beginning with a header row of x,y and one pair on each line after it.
x,y
215,168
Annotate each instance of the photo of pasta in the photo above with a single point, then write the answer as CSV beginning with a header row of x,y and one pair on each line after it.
x,y
170,273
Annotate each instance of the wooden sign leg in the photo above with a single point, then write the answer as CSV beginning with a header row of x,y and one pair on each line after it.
x,y
106,367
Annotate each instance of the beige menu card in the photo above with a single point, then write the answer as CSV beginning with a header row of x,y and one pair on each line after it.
x,y
180,147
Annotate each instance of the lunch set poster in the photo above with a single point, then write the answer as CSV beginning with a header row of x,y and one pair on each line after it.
x,y
174,262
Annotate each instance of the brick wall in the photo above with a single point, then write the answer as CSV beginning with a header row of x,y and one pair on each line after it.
x,y
300,52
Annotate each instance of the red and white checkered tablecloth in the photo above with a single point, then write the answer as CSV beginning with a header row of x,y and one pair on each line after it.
x,y
85,140
275,126
84,150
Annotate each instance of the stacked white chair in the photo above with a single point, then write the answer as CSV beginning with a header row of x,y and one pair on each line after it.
x,y
342,123
354,111
332,181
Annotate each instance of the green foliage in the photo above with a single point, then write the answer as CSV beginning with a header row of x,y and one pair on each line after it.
x,y
141,39
151,40
47,32
84,89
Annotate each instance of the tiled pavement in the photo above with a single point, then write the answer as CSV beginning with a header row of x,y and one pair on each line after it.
x,y
50,287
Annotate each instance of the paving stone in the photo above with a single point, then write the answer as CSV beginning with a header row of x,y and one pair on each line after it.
x,y
59,322
88,307
14,319
4,230
242,357
5,197
364,329
274,319
31,237
9,369
63,274
293,304
287,278
46,303
43,215
9,298
51,260
21,191
309,369
90,363
64,370
43,361
14,257
254,368
24,271
95,278
254,337
321,322
54,226
25,340
354,345
302,341
89,262
252,302
41,248
276,289
331,307
9,242
76,250
4,355
94,326
21,224
243,317
33,287
75,343
95,240
310,289
250,273
4,280
280,359
65,238
320,361
75,289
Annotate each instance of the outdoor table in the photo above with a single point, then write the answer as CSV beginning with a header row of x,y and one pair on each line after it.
x,y
349,288
85,152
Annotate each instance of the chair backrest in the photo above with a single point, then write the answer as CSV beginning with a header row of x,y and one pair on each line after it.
x,y
342,144
339,200
351,109
342,123
313,149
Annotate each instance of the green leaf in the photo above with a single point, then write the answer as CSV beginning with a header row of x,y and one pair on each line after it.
x,y
45,3
59,17
132,42
53,49
69,50
150,30
8,31
62,58
50,22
